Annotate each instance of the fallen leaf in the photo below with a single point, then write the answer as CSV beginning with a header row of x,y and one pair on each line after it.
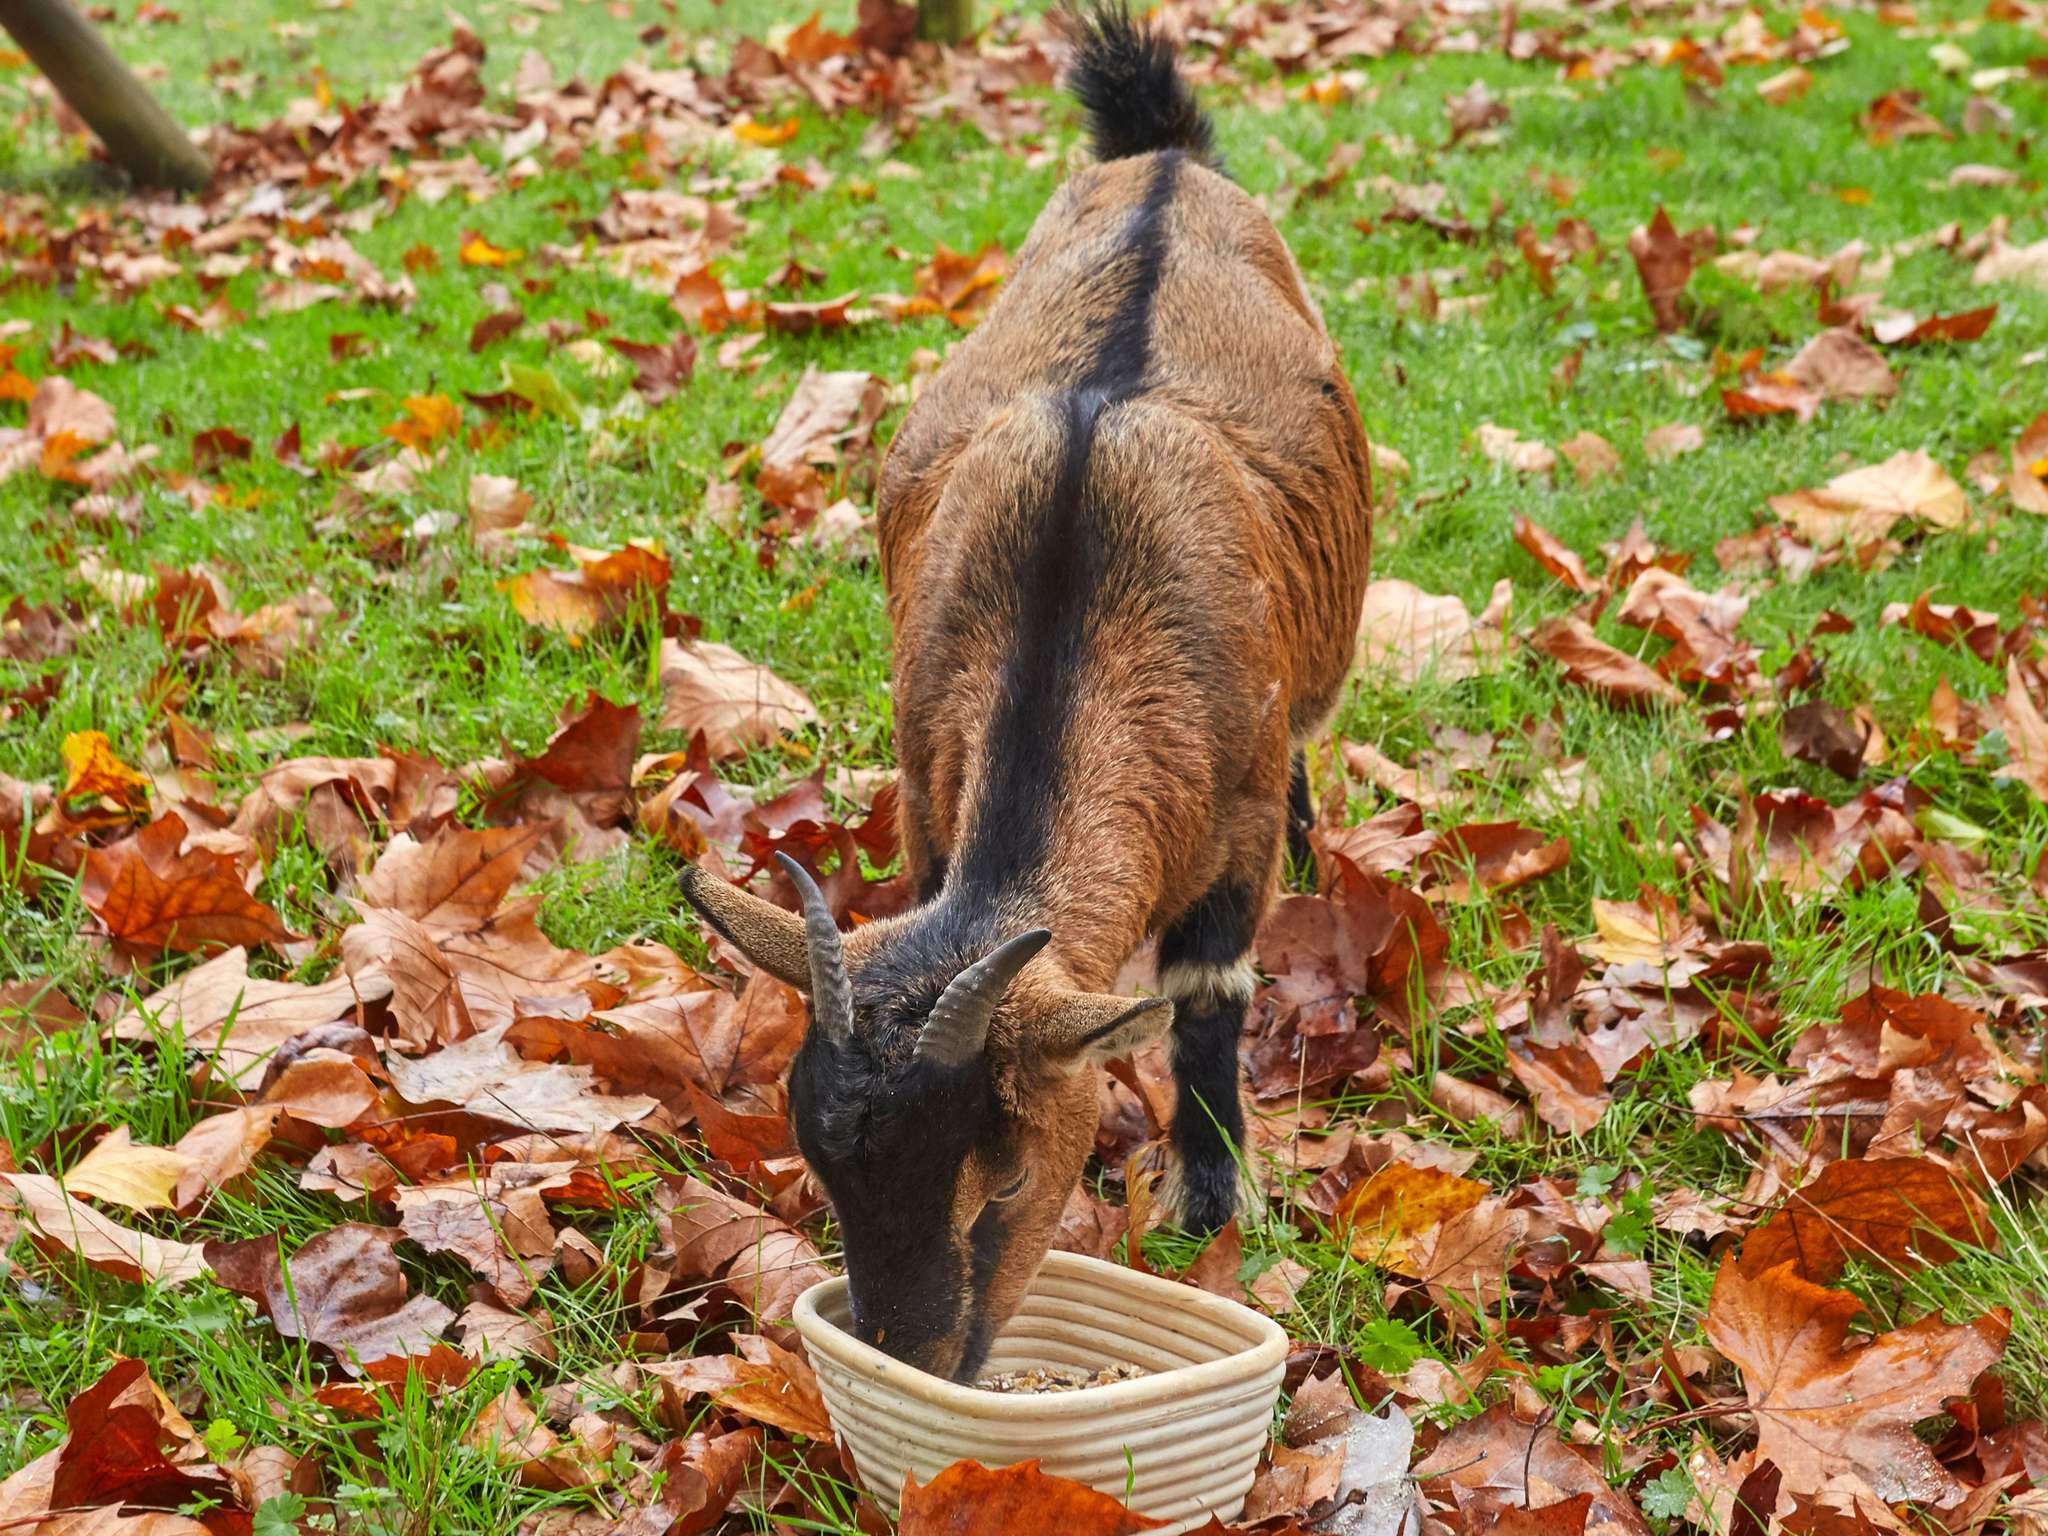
x,y
1865,504
120,1172
1592,663
735,702
343,1290
1903,1213
1017,1499
152,894
77,1228
1664,262
1825,1405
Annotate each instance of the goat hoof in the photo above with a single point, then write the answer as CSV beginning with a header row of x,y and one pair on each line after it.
x,y
1203,1198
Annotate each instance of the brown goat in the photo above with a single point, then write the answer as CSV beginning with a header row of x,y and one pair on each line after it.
x,y
1125,537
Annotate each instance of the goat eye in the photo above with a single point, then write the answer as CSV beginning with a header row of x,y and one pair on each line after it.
x,y
1011,1190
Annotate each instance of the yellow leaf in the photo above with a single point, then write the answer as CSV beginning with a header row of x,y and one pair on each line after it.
x,y
118,1171
93,772
767,135
1399,1203
478,252
428,419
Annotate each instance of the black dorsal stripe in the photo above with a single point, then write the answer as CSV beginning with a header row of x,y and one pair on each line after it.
x,y
1061,565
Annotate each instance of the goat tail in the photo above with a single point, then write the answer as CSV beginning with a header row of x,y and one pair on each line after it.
x,y
1127,78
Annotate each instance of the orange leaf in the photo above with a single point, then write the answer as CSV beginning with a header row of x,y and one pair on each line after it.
x,y
1018,1500
767,135
92,772
1899,1211
151,895
478,252
427,419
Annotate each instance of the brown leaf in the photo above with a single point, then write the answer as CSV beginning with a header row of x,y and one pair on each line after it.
x,y
1901,1212
152,895
659,368
1409,633
343,1290
1554,555
484,1075
1592,663
1505,446
1565,1084
766,1383
1768,395
112,1460
599,594
509,1242
1526,1463
1591,456
76,1227
1662,444
735,702
221,1148
1019,1501
238,1022
2026,734
1826,1406
1840,365
1968,325
1664,262
1864,504
457,881
1818,732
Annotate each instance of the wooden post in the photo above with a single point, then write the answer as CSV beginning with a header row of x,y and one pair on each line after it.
x,y
940,21
144,139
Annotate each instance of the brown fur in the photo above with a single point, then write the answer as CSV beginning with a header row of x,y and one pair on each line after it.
x,y
1244,452
1212,462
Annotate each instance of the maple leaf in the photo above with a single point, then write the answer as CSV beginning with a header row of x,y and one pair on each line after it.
x,y
221,1148
735,702
1826,1405
1409,633
120,1172
765,1382
486,1076
1840,365
75,1227
153,893
1554,555
1524,1462
238,1022
342,1290
602,591
1592,663
1865,504
113,1460
1019,1500
1664,262
2026,734
659,368
1900,1212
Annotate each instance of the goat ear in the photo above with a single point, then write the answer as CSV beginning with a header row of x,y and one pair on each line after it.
x,y
767,935
1086,1029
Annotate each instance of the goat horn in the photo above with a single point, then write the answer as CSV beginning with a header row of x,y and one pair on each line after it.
x,y
958,1026
831,992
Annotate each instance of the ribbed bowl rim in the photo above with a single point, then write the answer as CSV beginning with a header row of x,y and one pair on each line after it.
x,y
1132,1292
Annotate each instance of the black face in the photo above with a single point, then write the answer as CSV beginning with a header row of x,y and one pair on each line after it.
x,y
889,1147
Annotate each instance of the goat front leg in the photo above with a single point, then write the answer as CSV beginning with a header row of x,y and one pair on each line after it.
x,y
1205,967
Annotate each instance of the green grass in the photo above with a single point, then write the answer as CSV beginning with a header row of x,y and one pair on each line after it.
x,y
428,656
